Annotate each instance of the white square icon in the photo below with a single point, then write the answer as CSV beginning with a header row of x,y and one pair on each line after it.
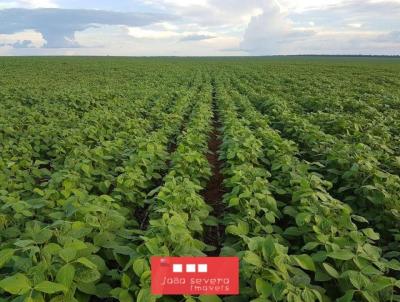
x,y
190,268
177,268
202,268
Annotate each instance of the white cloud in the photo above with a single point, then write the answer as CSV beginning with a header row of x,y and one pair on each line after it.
x,y
6,50
26,38
351,42
208,27
355,25
213,14
303,5
268,32
166,26
196,37
140,33
28,4
118,40
178,3
59,26
352,27
39,3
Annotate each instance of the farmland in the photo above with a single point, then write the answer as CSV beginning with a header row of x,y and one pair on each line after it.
x,y
291,164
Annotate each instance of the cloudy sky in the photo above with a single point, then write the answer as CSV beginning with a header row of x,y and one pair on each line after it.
x,y
199,27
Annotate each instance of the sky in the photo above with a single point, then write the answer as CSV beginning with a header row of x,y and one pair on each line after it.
x,y
199,27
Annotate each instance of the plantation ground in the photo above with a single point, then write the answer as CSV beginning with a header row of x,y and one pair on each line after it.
x,y
292,164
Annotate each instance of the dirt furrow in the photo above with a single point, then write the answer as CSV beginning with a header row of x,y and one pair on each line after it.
x,y
213,193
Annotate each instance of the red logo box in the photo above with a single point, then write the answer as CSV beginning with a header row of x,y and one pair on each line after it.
x,y
195,275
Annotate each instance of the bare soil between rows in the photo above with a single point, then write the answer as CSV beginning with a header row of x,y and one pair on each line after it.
x,y
214,191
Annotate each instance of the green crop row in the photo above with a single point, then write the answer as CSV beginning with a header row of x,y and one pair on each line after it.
x,y
317,223
352,168
269,270
177,213
104,163
68,237
360,123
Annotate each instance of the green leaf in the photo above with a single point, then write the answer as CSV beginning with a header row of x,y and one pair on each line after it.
x,y
263,288
125,281
319,256
86,262
341,255
146,296
394,265
331,270
310,246
292,231
51,249
303,218
125,296
140,266
358,280
359,218
24,243
107,198
5,256
234,201
43,236
66,275
371,234
381,283
68,254
209,299
252,258
87,275
86,168
211,221
50,287
348,296
241,229
369,297
278,291
103,290
305,262
268,248
307,295
88,288
18,284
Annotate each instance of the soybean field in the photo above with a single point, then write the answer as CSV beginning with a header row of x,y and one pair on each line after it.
x,y
290,163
